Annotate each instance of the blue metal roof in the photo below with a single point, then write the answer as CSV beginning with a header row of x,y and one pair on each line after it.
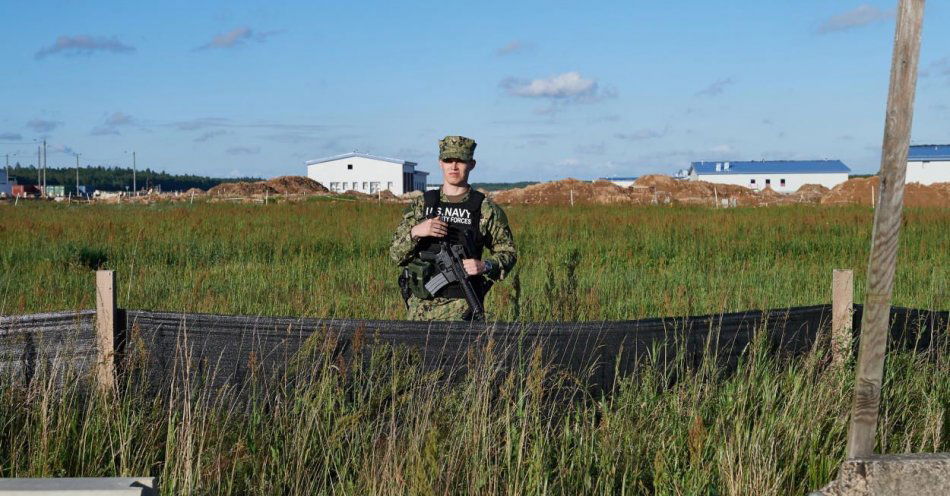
x,y
929,152
361,155
771,167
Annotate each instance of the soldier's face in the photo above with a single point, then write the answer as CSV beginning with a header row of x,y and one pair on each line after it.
x,y
455,171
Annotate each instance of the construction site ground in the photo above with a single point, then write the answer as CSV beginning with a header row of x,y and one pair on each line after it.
x,y
655,189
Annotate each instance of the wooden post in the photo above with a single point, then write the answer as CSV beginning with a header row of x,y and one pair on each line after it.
x,y
887,224
842,308
105,329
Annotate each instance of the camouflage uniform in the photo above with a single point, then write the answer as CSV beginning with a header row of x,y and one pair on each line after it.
x,y
493,226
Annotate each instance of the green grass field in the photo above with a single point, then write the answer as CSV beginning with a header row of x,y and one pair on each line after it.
x,y
328,259
772,427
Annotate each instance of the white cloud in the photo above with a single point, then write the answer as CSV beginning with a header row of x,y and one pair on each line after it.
x,y
83,45
562,86
861,15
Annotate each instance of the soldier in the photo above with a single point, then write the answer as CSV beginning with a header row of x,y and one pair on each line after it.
x,y
461,215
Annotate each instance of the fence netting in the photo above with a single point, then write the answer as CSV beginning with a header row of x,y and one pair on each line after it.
x,y
227,349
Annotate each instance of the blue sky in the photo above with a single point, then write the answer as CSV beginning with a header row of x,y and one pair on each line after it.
x,y
548,89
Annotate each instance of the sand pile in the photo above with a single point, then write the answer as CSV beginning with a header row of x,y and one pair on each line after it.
x,y
295,185
857,190
666,189
242,189
561,192
934,195
386,195
284,185
860,190
810,193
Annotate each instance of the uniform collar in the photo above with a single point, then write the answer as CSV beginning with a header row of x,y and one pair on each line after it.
x,y
444,197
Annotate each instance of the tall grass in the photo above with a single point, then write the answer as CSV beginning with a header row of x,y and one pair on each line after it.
x,y
378,424
328,259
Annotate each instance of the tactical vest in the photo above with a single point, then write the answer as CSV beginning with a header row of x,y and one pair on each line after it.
x,y
464,219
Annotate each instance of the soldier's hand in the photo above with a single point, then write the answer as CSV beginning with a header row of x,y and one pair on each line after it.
x,y
434,227
473,267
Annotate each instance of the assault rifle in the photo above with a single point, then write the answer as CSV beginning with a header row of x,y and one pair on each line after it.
x,y
448,263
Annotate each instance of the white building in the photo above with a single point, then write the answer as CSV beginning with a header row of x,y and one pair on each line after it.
x,y
928,164
366,173
783,176
623,182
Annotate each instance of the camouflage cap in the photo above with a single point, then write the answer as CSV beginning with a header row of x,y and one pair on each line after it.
x,y
458,147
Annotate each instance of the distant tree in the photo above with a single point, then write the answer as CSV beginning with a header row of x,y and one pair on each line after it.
x,y
118,178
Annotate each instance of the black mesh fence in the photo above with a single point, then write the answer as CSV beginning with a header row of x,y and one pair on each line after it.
x,y
228,349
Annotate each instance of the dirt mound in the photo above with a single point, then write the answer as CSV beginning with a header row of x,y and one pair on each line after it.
x,y
242,189
659,181
386,195
358,194
295,185
856,190
866,190
562,192
934,195
658,189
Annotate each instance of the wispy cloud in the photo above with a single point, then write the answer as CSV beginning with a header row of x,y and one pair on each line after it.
x,y
83,45
591,149
939,67
112,123
208,135
861,15
722,149
243,150
715,88
512,47
566,86
42,125
10,137
236,37
643,134
62,149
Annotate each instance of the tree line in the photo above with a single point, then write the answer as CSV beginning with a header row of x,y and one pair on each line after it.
x,y
117,178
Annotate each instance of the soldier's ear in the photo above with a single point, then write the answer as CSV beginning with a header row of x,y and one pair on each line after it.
x,y
471,164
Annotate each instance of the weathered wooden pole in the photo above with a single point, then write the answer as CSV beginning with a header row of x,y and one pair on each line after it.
x,y
105,329
842,309
887,224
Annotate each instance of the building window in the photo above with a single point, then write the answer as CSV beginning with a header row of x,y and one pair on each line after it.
x,y
768,182
365,186
389,185
334,186
373,187
345,186
781,182
752,181
349,166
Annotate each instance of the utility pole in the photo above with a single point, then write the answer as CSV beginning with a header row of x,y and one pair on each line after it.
x,y
39,166
44,168
77,174
134,189
882,263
